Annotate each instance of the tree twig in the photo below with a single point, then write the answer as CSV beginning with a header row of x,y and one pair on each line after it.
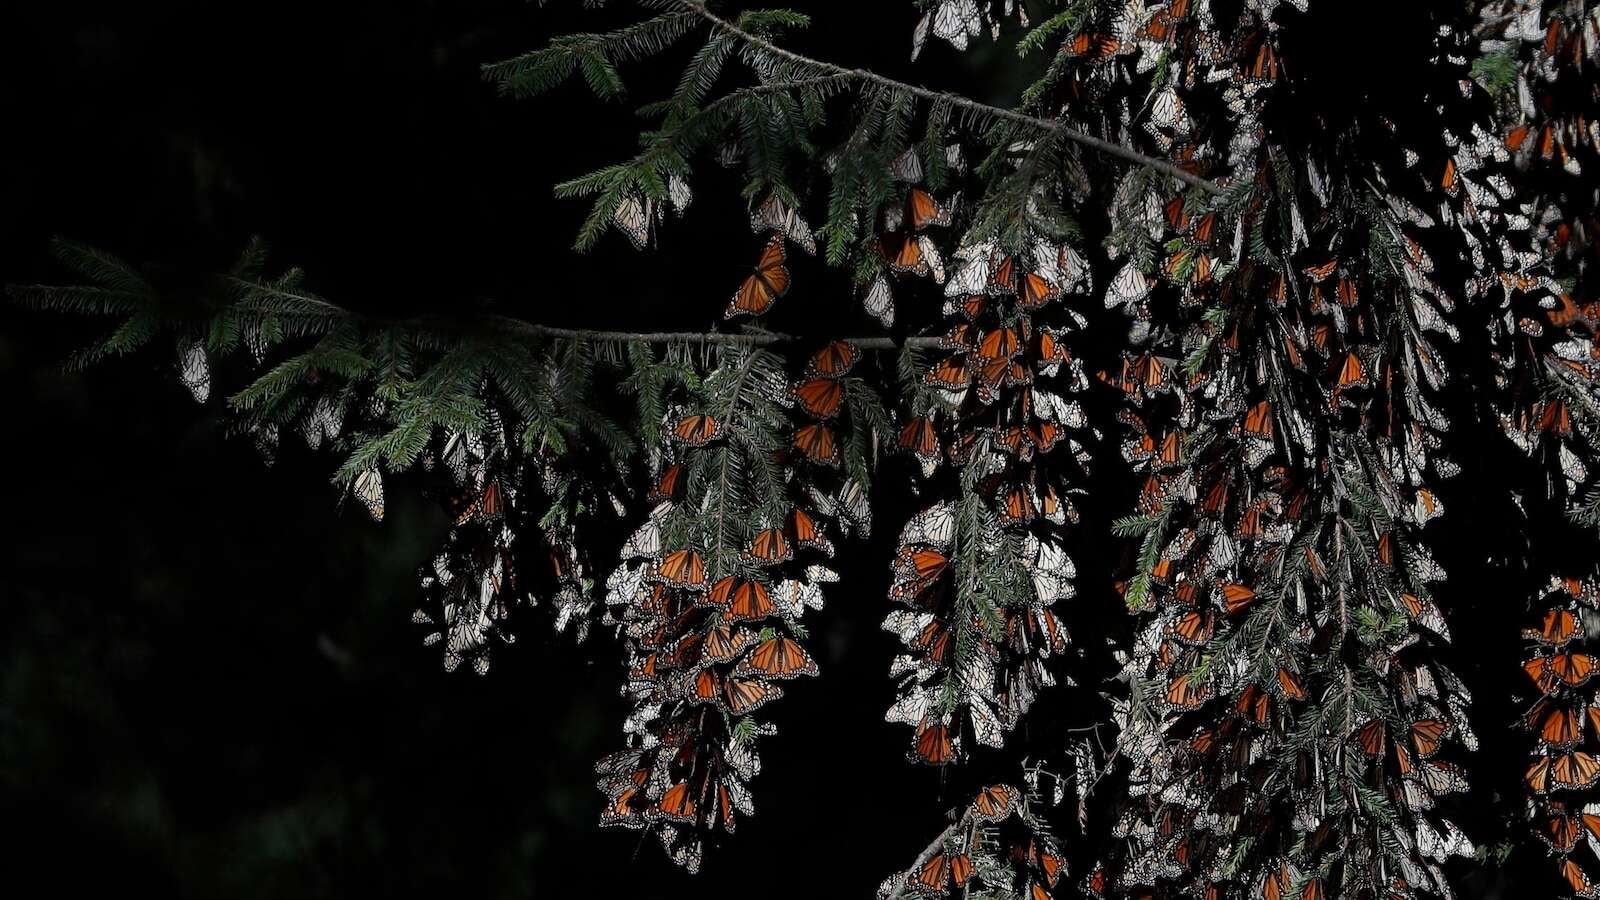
x,y
1109,148
747,339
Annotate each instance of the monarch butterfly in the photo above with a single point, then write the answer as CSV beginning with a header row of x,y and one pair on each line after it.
x,y
1001,343
1352,373
722,591
924,211
1035,290
934,640
682,568
697,430
774,215
1290,685
1554,417
761,288
994,802
1093,48
1321,271
1578,880
670,486
484,507
916,570
806,533
368,489
1236,597
821,397
1561,831
1276,885
1572,669
1254,703
919,438
933,743
1575,770
676,805
816,443
1560,626
750,602
936,875
1258,421
1185,692
1559,726
778,657
723,642
951,374
1427,735
742,695
834,361
769,547
706,686
1195,627
1018,505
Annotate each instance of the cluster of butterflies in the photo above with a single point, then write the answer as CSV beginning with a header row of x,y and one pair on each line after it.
x,y
999,844
711,629
1274,374
1563,721
975,580
470,587
1550,321
1551,369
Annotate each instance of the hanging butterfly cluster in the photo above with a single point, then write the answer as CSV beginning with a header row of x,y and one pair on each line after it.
x,y
1277,400
1545,341
1563,721
713,585
978,575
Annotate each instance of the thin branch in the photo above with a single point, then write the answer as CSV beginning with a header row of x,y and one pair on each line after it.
x,y
747,339
928,852
1109,148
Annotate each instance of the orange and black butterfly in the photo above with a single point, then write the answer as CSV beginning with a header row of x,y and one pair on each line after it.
x,y
1571,669
764,286
750,601
923,211
697,430
778,657
682,568
1237,597
742,695
1185,692
670,486
1560,626
806,533
1195,627
1561,831
933,743
769,547
834,360
919,437
821,397
1559,725
994,802
816,443
940,872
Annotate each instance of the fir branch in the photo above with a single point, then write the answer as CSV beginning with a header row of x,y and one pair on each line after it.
x,y
981,111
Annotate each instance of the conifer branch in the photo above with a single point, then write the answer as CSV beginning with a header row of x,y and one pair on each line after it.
x,y
1110,148
748,339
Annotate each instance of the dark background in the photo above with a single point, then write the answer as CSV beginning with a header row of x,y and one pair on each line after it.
x,y
209,684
